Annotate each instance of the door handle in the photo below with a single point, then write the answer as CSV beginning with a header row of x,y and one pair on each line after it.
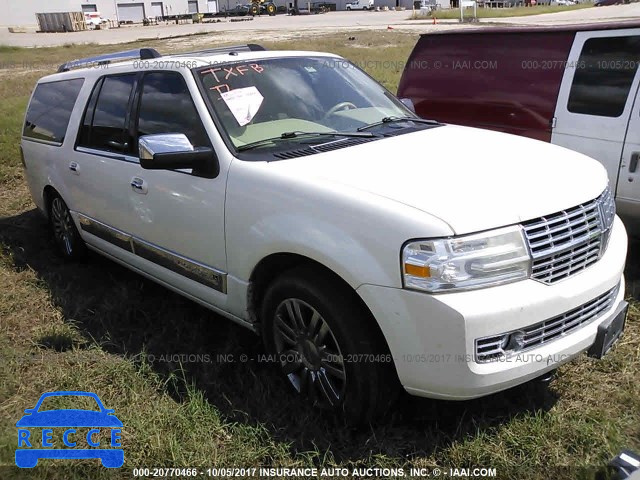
x,y
633,164
74,167
139,185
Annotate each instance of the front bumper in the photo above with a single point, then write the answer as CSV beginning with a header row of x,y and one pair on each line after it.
x,y
432,337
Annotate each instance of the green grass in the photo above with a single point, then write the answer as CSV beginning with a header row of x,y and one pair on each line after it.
x,y
454,13
96,326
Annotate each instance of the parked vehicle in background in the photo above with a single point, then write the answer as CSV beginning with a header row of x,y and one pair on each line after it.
x,y
360,5
575,86
604,3
263,7
369,247
237,11
94,19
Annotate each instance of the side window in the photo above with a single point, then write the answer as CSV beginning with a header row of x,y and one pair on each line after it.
x,y
104,126
50,110
606,69
166,107
84,138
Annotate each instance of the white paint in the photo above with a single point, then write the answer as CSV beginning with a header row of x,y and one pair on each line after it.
x,y
352,210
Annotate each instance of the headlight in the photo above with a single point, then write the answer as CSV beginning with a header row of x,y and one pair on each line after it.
x,y
466,262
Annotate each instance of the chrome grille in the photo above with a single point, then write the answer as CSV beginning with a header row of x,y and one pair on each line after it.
x,y
497,346
569,241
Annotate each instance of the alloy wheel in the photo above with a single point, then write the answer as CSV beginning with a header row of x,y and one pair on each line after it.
x,y
62,225
309,353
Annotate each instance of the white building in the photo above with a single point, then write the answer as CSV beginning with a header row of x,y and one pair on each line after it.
x,y
23,12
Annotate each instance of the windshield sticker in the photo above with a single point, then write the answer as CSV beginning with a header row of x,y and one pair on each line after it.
x,y
221,75
244,103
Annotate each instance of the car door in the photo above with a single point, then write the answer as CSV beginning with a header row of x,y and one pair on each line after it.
x,y
628,191
178,216
596,95
101,165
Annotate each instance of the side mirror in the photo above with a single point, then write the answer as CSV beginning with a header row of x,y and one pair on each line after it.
x,y
407,102
172,151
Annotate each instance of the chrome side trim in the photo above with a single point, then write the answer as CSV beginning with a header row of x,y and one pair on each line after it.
x,y
40,140
186,267
106,233
103,153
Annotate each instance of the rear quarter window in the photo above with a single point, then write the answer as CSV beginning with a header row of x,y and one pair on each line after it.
x,y
604,76
50,109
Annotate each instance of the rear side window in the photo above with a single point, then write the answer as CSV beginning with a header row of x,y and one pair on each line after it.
x,y
104,125
604,75
50,110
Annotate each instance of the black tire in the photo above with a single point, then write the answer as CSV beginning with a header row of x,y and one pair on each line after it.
x,y
369,385
67,239
271,10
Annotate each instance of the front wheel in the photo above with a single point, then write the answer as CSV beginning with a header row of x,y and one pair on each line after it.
x,y
326,344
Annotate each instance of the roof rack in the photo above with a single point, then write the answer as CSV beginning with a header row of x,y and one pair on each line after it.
x,y
250,47
138,54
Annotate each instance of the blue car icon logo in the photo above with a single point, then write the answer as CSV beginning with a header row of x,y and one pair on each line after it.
x,y
32,447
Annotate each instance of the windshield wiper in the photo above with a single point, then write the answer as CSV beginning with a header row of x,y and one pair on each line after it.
x,y
394,119
296,134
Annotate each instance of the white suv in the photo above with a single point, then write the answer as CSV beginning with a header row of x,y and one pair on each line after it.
x,y
291,193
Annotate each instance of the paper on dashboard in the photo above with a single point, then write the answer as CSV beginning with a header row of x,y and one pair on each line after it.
x,y
243,103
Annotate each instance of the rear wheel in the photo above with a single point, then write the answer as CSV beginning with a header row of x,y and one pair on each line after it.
x,y
325,344
271,9
68,240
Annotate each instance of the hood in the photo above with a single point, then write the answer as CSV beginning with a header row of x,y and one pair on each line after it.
x,y
471,179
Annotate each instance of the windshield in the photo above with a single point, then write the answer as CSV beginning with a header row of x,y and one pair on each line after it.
x,y
261,100
69,402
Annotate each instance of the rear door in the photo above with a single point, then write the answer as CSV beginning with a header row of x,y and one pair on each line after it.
x,y
628,192
101,165
596,95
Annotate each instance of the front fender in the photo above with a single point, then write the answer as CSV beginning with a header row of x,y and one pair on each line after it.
x,y
326,243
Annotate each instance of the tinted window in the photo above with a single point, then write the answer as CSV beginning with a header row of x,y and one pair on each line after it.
x,y
166,107
605,72
85,127
107,116
50,109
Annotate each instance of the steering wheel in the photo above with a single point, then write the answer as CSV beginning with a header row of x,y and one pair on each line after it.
x,y
339,106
